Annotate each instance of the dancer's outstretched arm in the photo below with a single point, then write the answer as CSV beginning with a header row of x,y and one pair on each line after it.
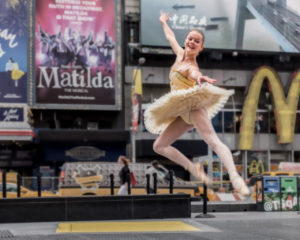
x,y
197,75
169,34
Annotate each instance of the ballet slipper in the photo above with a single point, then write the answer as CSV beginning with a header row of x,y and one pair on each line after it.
x,y
239,185
197,170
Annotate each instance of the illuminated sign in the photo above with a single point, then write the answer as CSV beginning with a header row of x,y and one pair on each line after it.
x,y
284,108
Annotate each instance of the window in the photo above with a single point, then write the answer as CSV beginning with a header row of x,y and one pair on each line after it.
x,y
229,122
277,157
257,162
217,122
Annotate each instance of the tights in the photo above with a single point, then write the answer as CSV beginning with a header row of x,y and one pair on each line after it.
x,y
202,123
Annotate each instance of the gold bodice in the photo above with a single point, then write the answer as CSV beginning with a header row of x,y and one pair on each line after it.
x,y
178,81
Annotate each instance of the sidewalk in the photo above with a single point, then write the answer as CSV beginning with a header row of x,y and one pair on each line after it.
x,y
238,225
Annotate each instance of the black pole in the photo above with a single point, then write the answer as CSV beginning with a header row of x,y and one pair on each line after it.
x,y
148,183
204,199
129,184
155,183
204,208
259,193
39,185
19,179
171,174
112,184
4,184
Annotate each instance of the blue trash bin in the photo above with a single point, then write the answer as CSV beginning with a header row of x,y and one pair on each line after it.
x,y
271,194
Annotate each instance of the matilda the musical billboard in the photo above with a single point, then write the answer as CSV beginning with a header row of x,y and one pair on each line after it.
x,y
76,49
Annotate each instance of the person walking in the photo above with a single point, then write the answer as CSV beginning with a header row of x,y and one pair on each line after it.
x,y
124,175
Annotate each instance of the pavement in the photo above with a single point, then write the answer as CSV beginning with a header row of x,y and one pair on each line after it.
x,y
234,225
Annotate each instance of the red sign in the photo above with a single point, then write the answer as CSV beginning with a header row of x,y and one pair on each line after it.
x,y
289,166
135,113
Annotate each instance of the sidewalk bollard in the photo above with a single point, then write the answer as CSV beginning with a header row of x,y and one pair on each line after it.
x,y
171,174
19,179
204,209
155,183
148,183
112,184
4,184
204,199
39,185
129,184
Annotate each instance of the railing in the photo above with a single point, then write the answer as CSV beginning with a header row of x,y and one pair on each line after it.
x,y
49,186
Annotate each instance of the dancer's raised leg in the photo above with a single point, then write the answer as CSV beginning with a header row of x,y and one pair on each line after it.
x,y
162,146
205,128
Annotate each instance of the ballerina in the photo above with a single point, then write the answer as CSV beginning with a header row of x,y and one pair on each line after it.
x,y
190,106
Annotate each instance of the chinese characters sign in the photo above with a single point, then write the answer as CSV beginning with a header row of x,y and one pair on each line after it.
x,y
185,21
257,25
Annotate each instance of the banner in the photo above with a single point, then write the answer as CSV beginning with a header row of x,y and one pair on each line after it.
x,y
250,25
289,166
135,113
13,51
75,49
14,117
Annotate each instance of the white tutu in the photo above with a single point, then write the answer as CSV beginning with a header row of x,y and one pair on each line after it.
x,y
176,103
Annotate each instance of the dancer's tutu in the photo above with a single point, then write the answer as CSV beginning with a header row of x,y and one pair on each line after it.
x,y
180,102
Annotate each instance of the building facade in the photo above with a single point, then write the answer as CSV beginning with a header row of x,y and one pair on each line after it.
x,y
233,70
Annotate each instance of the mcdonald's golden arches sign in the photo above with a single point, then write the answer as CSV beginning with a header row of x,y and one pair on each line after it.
x,y
284,107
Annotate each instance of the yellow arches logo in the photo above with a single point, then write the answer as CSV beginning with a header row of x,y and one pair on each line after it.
x,y
284,108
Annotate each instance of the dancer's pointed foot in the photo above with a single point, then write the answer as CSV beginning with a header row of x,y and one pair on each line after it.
x,y
239,185
197,170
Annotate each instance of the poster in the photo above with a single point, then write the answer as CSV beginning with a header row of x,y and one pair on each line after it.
x,y
75,54
250,25
13,51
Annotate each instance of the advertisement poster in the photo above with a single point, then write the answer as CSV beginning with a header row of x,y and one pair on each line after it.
x,y
13,118
251,25
75,53
289,201
11,114
13,51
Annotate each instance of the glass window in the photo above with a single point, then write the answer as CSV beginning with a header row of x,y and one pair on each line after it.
x,y
257,162
297,124
262,122
277,157
297,156
229,124
237,120
272,122
217,122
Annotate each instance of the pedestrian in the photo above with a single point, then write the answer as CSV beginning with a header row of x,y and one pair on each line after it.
x,y
189,106
124,175
161,173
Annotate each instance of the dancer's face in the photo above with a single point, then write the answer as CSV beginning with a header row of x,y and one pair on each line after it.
x,y
194,42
